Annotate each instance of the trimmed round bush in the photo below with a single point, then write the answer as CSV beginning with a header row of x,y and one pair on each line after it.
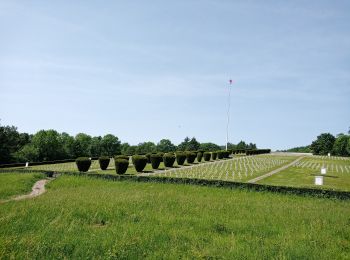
x,y
180,158
121,165
140,162
190,157
148,156
168,159
214,155
156,159
125,157
161,154
199,156
206,156
104,162
220,154
83,164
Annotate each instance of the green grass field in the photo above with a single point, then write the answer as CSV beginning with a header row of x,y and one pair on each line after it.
x,y
303,174
239,169
79,217
12,184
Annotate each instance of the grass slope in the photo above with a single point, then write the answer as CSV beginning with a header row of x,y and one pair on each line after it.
x,y
12,184
304,176
87,218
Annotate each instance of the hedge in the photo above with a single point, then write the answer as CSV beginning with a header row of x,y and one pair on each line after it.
x,y
214,155
180,158
121,165
168,159
199,156
139,162
125,157
156,159
148,156
258,151
220,154
104,162
83,163
206,156
190,156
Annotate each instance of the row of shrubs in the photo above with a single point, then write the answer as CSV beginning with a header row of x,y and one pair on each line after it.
x,y
140,161
257,151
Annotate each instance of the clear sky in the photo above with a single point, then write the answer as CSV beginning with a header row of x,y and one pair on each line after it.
x,y
147,70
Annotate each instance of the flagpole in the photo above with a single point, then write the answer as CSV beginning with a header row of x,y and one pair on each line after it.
x,y
228,113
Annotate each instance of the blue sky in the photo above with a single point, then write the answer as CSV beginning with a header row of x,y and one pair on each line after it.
x,y
147,70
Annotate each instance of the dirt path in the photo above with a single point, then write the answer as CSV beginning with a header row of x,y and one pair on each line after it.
x,y
37,190
275,171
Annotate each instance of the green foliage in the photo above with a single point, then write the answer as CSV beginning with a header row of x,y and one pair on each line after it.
x,y
96,149
199,156
161,154
9,143
121,165
300,149
165,145
104,162
148,156
206,156
27,153
340,145
156,159
83,164
146,147
140,162
168,159
180,158
189,145
220,154
128,149
48,144
323,144
125,157
209,147
82,145
214,155
110,145
190,156
258,151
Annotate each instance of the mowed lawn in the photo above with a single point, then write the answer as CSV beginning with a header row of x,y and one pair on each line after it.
x,y
80,217
12,184
303,175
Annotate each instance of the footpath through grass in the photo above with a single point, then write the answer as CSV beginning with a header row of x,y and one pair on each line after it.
x,y
79,217
12,184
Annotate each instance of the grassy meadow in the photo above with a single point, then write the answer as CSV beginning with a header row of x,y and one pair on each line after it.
x,y
79,217
303,174
12,184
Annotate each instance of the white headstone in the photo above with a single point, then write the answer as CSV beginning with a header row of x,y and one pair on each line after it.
x,y
329,154
90,158
318,180
323,170
27,164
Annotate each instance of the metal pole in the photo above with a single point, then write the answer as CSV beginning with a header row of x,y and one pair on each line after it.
x,y
228,113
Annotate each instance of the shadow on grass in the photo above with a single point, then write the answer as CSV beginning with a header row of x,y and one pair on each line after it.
x,y
326,176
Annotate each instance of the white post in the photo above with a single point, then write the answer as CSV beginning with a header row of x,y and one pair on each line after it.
x,y
228,112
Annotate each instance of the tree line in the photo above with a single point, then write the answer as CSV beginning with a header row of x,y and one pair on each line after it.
x,y
50,145
327,143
